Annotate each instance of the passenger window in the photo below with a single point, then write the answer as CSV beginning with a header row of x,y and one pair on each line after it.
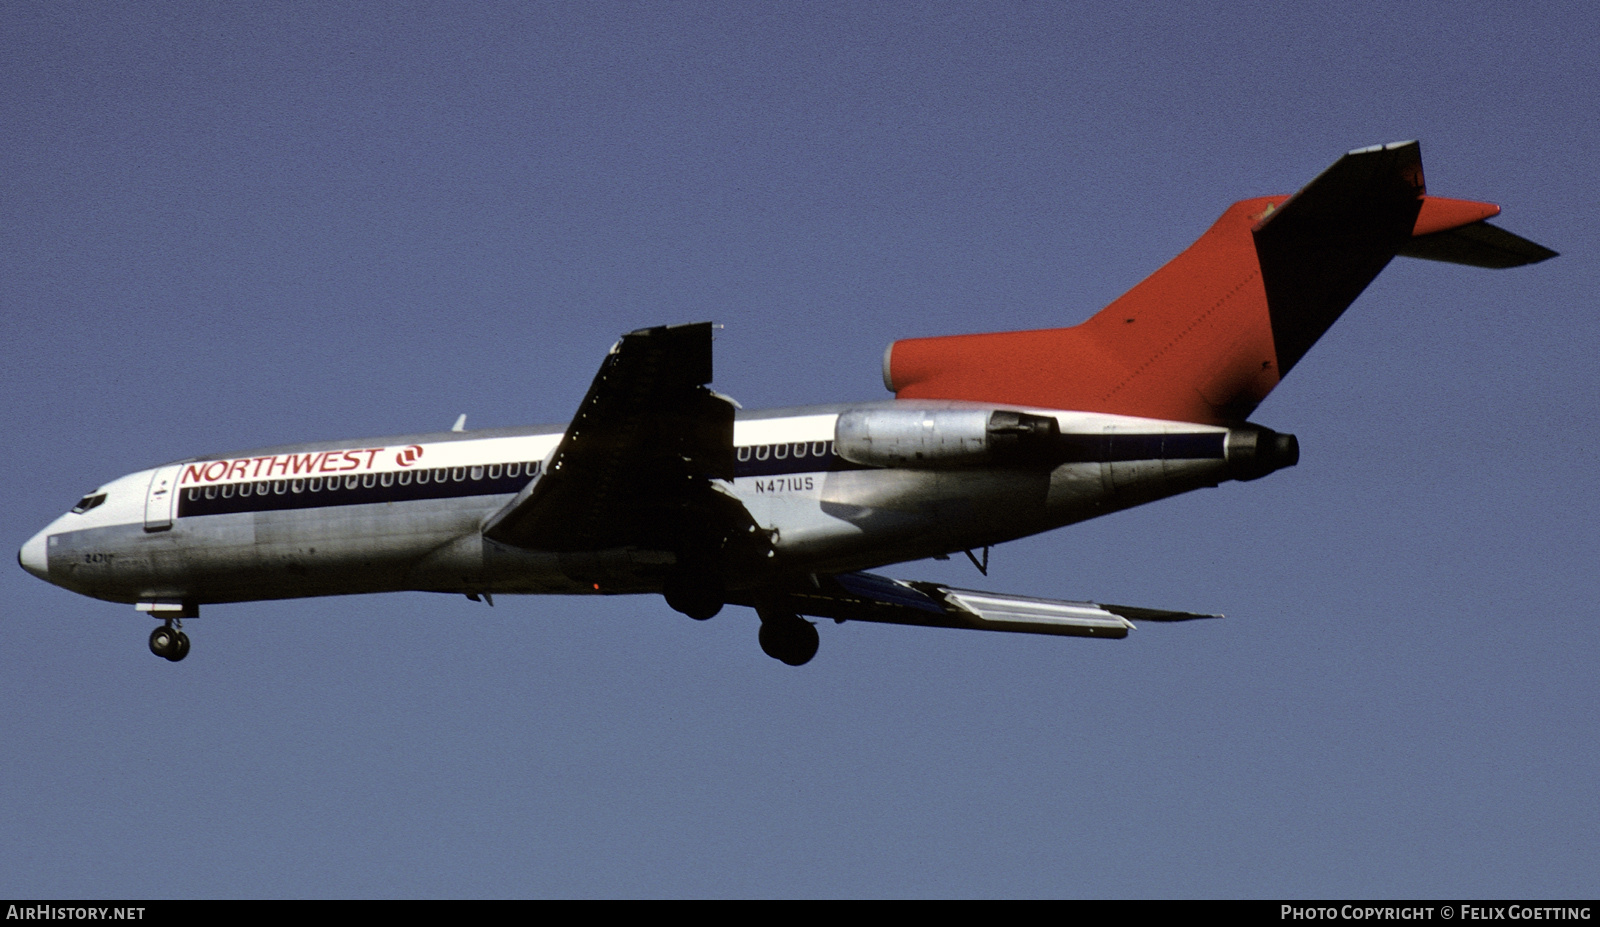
x,y
743,453
494,471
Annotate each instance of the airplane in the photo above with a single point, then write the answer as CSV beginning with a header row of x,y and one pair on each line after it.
x,y
661,485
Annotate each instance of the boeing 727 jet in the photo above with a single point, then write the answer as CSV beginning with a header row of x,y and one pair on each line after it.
x,y
660,485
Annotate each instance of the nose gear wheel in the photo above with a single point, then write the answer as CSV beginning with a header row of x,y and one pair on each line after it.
x,y
169,643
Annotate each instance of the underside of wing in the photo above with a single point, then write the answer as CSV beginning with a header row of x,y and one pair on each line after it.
x,y
868,597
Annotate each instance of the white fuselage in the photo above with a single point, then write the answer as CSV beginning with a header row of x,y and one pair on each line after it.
x,y
407,512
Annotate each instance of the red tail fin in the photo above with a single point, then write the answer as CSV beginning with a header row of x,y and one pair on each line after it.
x,y
1207,337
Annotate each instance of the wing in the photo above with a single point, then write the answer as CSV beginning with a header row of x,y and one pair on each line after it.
x,y
868,597
640,464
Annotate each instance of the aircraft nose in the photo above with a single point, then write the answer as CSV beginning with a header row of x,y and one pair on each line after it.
x,y
34,558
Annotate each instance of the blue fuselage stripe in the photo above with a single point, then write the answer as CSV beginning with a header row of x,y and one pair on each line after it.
x,y
280,495
1115,448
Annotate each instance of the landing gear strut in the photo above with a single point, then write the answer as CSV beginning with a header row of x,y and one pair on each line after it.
x,y
787,637
700,594
170,642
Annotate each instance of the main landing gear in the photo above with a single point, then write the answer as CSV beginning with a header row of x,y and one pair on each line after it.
x,y
787,638
700,594
170,642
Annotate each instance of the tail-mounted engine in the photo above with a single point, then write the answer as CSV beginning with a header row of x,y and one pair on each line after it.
x,y
940,438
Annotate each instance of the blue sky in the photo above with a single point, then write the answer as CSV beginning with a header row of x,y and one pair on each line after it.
x,y
234,226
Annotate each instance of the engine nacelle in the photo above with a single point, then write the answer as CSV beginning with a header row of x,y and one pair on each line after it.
x,y
945,438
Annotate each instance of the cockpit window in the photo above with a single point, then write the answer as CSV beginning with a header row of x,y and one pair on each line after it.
x,y
88,502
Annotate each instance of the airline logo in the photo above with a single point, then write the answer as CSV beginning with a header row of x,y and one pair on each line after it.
x,y
357,460
285,465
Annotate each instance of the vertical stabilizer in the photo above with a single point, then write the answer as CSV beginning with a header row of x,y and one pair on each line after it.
x,y
1321,248
1208,336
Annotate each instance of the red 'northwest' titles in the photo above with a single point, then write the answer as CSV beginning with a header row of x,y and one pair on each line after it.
x,y
278,465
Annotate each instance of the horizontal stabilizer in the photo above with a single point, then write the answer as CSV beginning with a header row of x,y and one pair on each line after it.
x,y
868,597
1477,245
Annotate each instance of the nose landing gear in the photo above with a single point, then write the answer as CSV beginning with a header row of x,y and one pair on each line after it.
x,y
169,642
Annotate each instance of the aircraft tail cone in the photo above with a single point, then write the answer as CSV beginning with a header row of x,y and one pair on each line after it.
x,y
1254,452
